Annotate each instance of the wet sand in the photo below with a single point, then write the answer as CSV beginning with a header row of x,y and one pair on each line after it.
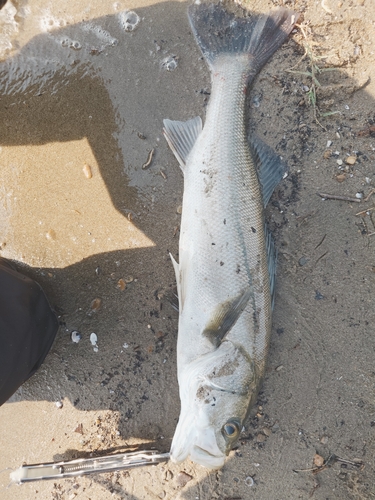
x,y
101,103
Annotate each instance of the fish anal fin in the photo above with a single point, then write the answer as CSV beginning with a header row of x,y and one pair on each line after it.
x,y
225,317
271,168
272,262
181,137
177,271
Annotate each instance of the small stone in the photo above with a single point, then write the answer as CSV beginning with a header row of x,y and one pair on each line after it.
x,y
318,295
338,135
359,196
318,460
329,144
183,478
340,177
279,368
302,261
51,235
121,285
339,162
87,171
327,154
179,209
93,339
267,431
59,405
350,160
96,304
324,439
129,279
261,438
79,429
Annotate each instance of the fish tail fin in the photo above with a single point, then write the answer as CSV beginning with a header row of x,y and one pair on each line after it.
x,y
219,32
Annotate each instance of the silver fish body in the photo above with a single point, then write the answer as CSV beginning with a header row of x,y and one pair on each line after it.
x,y
225,258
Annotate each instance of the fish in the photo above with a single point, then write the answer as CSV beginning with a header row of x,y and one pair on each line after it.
x,y
227,257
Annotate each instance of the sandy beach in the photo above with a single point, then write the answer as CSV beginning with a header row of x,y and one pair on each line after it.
x,y
84,89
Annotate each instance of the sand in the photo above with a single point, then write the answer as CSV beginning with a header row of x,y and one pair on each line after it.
x,y
78,90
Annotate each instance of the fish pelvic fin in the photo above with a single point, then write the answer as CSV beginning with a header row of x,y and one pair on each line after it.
x,y
225,316
181,137
218,31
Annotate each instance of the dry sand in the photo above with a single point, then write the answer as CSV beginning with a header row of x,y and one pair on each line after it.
x,y
102,105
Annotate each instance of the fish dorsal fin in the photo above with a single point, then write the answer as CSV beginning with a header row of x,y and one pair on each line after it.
x,y
271,169
225,316
272,261
176,268
181,137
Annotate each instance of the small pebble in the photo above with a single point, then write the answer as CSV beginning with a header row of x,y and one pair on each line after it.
x,y
359,196
129,279
179,209
75,336
279,368
183,478
87,171
329,144
318,460
346,106
121,284
95,304
267,431
261,438
340,177
350,160
51,235
249,481
302,261
339,162
338,135
58,404
327,154
93,338
318,295
324,439
275,427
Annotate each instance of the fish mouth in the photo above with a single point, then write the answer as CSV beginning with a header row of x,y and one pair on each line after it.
x,y
207,459
199,445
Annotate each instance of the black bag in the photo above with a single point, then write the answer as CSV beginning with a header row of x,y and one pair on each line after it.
x,y
28,328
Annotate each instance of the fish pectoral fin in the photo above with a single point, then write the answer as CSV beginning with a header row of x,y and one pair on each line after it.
x,y
181,137
271,169
225,317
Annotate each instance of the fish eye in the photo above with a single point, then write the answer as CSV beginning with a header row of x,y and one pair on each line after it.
x,y
231,430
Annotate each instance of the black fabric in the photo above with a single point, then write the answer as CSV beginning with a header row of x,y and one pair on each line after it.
x,y
28,328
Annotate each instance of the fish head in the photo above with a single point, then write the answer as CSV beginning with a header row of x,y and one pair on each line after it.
x,y
216,391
